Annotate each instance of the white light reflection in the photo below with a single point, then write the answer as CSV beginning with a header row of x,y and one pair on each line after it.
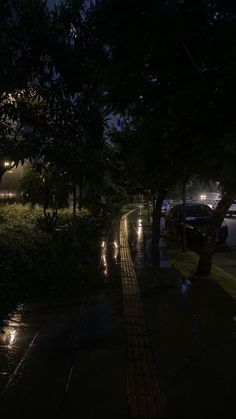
x,y
126,228
115,250
140,229
139,232
185,285
104,258
104,263
10,337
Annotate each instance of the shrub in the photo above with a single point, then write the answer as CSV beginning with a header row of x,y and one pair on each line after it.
x,y
35,259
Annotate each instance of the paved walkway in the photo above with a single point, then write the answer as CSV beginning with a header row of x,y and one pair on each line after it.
x,y
144,394
149,344
192,329
66,358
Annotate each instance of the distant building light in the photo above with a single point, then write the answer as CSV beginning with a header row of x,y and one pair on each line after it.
x,y
8,164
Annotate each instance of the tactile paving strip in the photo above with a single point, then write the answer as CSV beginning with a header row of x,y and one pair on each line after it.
x,y
144,396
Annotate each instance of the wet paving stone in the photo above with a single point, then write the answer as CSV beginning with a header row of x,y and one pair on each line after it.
x,y
144,397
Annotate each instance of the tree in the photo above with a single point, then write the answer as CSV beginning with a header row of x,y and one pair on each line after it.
x,y
152,81
176,60
42,184
55,103
23,48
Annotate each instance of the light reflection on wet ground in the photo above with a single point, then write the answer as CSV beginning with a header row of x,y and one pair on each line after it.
x,y
11,328
55,354
141,249
80,348
109,254
193,333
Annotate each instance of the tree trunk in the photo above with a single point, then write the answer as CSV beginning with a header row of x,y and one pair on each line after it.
x,y
154,228
45,210
148,210
74,224
74,201
156,223
80,196
184,246
206,254
2,171
46,200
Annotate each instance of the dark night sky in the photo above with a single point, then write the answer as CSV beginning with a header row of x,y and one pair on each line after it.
x,y
52,3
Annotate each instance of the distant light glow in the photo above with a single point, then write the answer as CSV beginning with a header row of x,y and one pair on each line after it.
x,y
12,337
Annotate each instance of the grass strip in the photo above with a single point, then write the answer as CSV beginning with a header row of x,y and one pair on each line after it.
x,y
186,263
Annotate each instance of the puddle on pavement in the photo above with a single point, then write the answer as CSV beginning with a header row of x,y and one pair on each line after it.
x,y
115,250
141,246
12,326
109,254
104,267
185,286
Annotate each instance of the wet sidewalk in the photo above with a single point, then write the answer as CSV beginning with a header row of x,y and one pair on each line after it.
x,y
149,344
65,358
192,328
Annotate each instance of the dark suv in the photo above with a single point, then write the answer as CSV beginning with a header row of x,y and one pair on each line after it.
x,y
197,218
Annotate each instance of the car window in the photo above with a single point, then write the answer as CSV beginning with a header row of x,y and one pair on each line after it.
x,y
198,211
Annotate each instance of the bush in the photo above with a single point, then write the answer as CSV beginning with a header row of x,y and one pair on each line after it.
x,y
35,259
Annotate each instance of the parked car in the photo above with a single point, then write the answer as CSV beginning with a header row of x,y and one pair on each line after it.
x,y
197,218
232,209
